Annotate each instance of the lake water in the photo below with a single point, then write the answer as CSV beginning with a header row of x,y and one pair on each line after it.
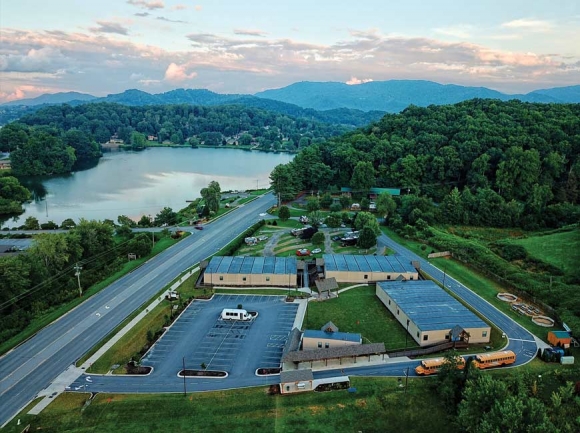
x,y
142,183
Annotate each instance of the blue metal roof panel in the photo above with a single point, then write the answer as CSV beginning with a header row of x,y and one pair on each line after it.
x,y
340,261
429,306
291,265
342,336
280,267
269,264
258,265
362,264
351,264
373,263
236,265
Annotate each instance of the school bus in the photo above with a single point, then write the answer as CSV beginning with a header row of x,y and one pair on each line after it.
x,y
495,359
433,365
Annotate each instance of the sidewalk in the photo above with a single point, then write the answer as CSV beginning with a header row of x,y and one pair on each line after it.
x,y
67,377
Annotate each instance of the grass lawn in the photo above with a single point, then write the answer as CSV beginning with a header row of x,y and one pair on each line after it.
x,y
559,249
40,322
377,403
132,342
487,289
359,310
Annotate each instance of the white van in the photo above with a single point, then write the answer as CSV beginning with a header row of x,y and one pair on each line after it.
x,y
235,314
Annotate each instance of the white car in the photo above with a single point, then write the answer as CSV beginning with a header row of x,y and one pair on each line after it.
x,y
316,251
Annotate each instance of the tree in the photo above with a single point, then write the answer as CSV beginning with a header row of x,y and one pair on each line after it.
x,y
363,176
138,140
335,207
245,139
312,204
124,231
364,204
367,238
166,217
12,194
126,221
43,153
86,148
145,221
385,205
284,213
141,245
51,250
316,218
345,201
326,201
318,238
31,223
333,220
13,136
68,224
285,182
367,219
212,196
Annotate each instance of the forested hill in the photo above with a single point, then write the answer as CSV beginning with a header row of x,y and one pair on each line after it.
x,y
181,124
340,116
513,163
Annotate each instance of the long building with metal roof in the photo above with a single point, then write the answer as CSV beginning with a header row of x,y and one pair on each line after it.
x,y
369,268
430,314
251,271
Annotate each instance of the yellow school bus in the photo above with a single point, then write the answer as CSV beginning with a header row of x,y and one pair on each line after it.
x,y
433,365
495,359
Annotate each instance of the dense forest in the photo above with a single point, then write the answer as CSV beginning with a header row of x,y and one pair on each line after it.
x,y
480,162
43,277
182,124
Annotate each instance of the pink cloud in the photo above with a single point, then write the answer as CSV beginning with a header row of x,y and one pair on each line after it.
x,y
151,5
179,7
354,81
198,8
176,73
24,91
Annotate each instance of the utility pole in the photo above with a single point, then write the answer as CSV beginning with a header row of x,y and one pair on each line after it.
x,y
257,184
406,379
77,269
184,386
46,204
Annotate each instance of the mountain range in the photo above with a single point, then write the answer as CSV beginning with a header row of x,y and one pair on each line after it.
x,y
330,102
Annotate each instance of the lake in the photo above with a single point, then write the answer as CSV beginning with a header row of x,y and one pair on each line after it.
x,y
142,183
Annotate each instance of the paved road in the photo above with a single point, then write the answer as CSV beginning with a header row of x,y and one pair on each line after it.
x,y
32,366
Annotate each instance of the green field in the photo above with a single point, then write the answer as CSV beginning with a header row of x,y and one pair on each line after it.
x,y
378,405
359,310
559,249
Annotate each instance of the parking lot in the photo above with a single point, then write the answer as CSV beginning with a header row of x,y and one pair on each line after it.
x,y
199,336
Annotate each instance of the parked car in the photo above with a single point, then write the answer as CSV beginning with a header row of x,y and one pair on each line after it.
x,y
316,251
303,252
199,227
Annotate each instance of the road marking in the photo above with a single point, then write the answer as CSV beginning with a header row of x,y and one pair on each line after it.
x,y
519,339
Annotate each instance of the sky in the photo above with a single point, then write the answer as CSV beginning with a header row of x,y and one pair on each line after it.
x,y
246,46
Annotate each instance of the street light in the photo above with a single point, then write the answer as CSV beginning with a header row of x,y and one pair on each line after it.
x,y
406,378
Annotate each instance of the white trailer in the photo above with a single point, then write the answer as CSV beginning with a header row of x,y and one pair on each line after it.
x,y
235,314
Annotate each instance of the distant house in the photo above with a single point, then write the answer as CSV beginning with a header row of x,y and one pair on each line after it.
x,y
373,192
151,138
5,164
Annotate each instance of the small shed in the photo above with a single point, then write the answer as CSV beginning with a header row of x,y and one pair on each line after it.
x,y
559,338
296,381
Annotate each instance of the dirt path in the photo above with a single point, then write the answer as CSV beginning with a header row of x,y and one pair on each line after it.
x,y
272,242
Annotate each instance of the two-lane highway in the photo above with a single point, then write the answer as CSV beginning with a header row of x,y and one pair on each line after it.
x,y
32,366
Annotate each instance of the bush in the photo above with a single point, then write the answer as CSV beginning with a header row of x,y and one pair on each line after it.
x,y
318,238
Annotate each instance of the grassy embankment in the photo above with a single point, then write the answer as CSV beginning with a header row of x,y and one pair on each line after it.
x,y
377,403
44,320
476,281
359,310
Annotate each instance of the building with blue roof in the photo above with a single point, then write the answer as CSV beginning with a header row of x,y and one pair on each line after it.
x,y
365,269
328,337
251,271
429,313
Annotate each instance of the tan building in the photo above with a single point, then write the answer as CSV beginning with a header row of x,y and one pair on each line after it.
x,y
251,271
5,164
430,314
328,337
296,381
366,269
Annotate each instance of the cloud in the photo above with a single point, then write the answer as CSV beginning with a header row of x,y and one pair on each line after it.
x,y
461,31
151,5
354,81
25,91
246,32
178,7
142,14
101,63
529,24
176,73
198,8
170,20
110,27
